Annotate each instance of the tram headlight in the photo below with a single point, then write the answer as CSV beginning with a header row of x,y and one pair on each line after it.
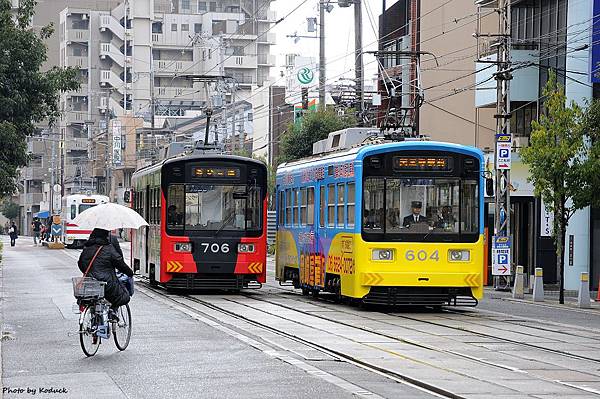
x,y
459,255
382,254
182,247
246,248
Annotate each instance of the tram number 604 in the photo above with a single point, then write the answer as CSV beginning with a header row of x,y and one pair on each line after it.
x,y
421,255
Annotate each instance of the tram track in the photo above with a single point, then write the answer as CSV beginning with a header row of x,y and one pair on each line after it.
x,y
478,333
394,376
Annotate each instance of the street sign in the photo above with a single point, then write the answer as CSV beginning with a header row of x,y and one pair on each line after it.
x,y
503,150
501,265
56,229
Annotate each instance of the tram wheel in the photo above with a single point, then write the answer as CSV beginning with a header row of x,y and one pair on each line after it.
x,y
305,291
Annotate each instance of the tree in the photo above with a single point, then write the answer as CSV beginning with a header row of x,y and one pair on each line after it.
x,y
10,210
27,95
314,126
564,161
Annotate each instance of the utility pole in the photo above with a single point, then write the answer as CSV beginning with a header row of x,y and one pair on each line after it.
x,y
503,151
358,61
322,55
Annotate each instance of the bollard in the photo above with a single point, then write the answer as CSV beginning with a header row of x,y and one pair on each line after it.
x,y
538,285
583,299
519,287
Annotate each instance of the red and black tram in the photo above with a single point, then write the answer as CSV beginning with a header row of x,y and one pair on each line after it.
x,y
208,220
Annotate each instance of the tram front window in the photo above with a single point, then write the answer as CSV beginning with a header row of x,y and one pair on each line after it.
x,y
222,207
420,207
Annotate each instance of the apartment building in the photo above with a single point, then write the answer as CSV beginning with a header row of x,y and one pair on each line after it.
x,y
152,59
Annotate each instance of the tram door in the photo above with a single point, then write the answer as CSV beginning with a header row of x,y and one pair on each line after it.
x,y
523,232
145,232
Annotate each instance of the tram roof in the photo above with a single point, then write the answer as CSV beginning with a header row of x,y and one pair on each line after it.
x,y
196,157
361,151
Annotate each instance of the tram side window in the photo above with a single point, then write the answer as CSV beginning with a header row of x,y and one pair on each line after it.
x,y
469,214
350,203
296,206
288,207
331,205
310,202
73,211
322,206
341,203
281,210
303,206
175,206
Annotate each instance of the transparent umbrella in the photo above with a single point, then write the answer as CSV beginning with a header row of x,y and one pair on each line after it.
x,y
109,217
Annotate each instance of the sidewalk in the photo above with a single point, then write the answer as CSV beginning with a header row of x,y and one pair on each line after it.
x,y
551,300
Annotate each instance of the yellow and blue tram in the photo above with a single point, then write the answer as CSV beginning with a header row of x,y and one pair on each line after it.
x,y
392,223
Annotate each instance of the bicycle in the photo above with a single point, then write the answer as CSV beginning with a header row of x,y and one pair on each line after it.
x,y
94,321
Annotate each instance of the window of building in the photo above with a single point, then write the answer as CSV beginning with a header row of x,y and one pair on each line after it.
x,y
341,202
157,27
310,206
197,28
173,27
350,204
331,205
303,206
521,117
250,116
322,206
213,6
185,27
219,27
202,6
185,4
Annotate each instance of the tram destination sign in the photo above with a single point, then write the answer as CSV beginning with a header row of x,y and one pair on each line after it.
x,y
422,163
501,265
219,173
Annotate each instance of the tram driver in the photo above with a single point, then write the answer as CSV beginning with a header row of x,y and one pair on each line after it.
x,y
415,217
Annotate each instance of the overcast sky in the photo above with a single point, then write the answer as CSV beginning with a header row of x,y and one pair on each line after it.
x,y
339,36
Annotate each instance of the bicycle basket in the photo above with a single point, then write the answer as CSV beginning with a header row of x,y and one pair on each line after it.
x,y
87,287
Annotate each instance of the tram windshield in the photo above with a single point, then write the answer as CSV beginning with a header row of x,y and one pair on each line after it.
x,y
421,207
213,207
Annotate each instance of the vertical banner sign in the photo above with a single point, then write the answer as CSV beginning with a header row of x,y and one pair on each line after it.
x,y
116,148
571,248
595,52
547,225
501,265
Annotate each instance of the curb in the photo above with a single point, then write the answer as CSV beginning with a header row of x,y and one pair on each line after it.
x,y
566,306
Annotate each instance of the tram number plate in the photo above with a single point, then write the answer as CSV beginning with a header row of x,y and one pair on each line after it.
x,y
214,247
422,255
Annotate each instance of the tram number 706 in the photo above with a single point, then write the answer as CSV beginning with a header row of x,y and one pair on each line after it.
x,y
214,247
422,255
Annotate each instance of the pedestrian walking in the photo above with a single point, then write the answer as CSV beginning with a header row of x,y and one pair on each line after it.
x,y
12,232
36,226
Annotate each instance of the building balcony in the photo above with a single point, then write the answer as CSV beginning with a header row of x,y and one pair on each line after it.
x,y
267,38
166,67
110,78
109,50
267,59
77,35
82,91
77,61
268,16
75,117
76,144
37,146
31,198
110,23
33,173
524,85
176,93
241,61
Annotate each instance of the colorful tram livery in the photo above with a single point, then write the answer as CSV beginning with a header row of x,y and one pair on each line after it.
x,y
207,216
393,223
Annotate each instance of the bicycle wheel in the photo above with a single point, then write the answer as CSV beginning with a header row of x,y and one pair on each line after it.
x,y
122,327
87,332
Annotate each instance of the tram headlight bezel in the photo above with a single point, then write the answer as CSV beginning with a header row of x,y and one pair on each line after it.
x,y
459,255
182,247
382,254
244,248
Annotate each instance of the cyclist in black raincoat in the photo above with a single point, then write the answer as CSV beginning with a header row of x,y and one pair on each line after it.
x,y
103,268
